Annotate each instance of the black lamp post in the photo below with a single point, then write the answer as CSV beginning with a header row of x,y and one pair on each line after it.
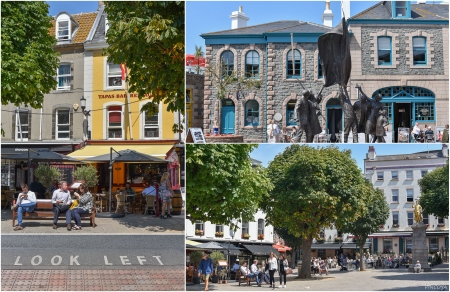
x,y
86,114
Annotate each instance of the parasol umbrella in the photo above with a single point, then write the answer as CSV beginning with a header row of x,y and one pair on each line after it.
x,y
210,245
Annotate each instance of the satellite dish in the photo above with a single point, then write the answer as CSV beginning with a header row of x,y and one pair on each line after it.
x,y
277,117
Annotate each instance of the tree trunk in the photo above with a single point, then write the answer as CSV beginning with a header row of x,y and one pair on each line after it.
x,y
361,258
305,272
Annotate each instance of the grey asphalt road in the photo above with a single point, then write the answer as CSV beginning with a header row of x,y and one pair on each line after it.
x,y
92,251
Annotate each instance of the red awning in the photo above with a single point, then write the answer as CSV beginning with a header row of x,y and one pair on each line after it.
x,y
281,248
191,60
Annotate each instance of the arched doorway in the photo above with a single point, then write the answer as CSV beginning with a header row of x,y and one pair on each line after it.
x,y
228,117
406,105
334,118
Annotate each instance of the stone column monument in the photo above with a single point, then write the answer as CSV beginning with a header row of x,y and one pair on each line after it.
x,y
419,237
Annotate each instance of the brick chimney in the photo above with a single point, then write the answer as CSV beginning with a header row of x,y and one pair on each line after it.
x,y
371,155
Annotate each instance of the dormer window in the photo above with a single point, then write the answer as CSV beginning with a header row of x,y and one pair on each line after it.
x,y
63,27
401,9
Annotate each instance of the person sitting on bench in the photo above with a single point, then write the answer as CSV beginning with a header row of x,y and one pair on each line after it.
x,y
254,273
61,204
26,202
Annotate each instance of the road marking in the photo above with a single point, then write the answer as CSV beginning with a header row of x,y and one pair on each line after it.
x,y
17,262
39,258
53,262
124,260
141,260
74,260
106,261
157,257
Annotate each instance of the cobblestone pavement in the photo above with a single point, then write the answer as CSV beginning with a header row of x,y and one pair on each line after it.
x,y
136,223
152,279
370,280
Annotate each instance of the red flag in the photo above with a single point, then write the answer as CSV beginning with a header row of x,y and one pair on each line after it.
x,y
123,67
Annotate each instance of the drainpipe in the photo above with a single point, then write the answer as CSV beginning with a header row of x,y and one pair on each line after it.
x,y
40,126
267,81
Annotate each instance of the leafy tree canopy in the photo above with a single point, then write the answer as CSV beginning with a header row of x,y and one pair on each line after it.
x,y
434,188
29,62
314,188
377,212
149,37
221,183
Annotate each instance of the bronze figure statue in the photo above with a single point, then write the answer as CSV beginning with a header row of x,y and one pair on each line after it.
x,y
306,116
382,122
350,121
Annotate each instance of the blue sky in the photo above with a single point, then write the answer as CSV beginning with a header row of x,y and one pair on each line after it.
x,y
266,152
72,7
210,16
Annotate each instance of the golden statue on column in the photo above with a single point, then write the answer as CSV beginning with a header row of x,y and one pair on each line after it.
x,y
417,212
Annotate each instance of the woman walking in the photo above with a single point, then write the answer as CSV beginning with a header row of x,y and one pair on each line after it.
x,y
165,190
85,204
282,267
273,265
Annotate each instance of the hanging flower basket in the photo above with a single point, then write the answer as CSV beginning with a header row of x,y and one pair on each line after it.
x,y
337,239
394,225
219,234
260,236
246,236
441,225
199,232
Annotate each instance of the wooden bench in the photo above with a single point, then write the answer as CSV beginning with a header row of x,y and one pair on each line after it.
x,y
244,278
44,211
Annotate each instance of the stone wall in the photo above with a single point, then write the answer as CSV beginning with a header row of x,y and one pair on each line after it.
x,y
196,83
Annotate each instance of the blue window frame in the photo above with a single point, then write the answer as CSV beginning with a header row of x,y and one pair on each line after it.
x,y
319,66
384,50
252,113
290,120
294,65
252,64
419,50
401,9
227,61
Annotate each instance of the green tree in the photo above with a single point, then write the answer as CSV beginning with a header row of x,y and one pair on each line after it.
x,y
290,240
313,189
149,37
29,62
198,54
434,189
376,213
221,183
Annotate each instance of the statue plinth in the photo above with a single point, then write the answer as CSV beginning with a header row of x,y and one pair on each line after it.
x,y
419,247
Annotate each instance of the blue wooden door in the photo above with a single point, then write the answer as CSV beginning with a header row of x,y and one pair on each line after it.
x,y
227,125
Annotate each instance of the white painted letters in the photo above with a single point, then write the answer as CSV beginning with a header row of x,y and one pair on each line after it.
x,y
157,257
106,261
17,262
33,260
74,260
124,260
53,260
141,260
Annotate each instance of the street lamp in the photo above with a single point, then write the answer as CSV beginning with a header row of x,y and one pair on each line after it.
x,y
86,114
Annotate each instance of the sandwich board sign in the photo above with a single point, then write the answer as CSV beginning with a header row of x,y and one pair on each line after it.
x,y
195,135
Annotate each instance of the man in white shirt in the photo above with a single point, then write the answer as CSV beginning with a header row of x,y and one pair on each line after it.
x,y
244,269
26,202
417,267
254,272
416,131
61,204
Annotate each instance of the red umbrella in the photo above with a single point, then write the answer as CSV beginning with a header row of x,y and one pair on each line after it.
x,y
191,60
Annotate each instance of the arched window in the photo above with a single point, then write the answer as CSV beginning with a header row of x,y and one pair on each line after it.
x,y
252,113
294,64
252,64
114,122
384,50
227,63
290,114
319,69
419,50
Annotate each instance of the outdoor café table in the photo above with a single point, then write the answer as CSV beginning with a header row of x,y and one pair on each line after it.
x,y
100,199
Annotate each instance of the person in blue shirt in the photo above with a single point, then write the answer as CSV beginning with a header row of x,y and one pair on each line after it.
x,y
206,268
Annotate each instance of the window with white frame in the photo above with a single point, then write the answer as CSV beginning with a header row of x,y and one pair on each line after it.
x,y
114,75
410,195
409,174
64,77
62,131
384,51
380,175
151,125
410,216
294,64
219,228
252,64
252,113
115,122
63,27
394,175
199,227
440,220
394,219
22,121
260,226
227,63
245,228
434,244
425,219
395,195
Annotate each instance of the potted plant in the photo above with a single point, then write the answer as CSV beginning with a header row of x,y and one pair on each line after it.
x,y
337,239
394,225
216,257
47,174
261,236
87,173
219,234
245,236
381,226
196,257
441,225
199,232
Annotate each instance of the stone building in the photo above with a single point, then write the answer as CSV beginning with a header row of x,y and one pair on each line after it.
x,y
400,50
194,100
262,52
398,176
